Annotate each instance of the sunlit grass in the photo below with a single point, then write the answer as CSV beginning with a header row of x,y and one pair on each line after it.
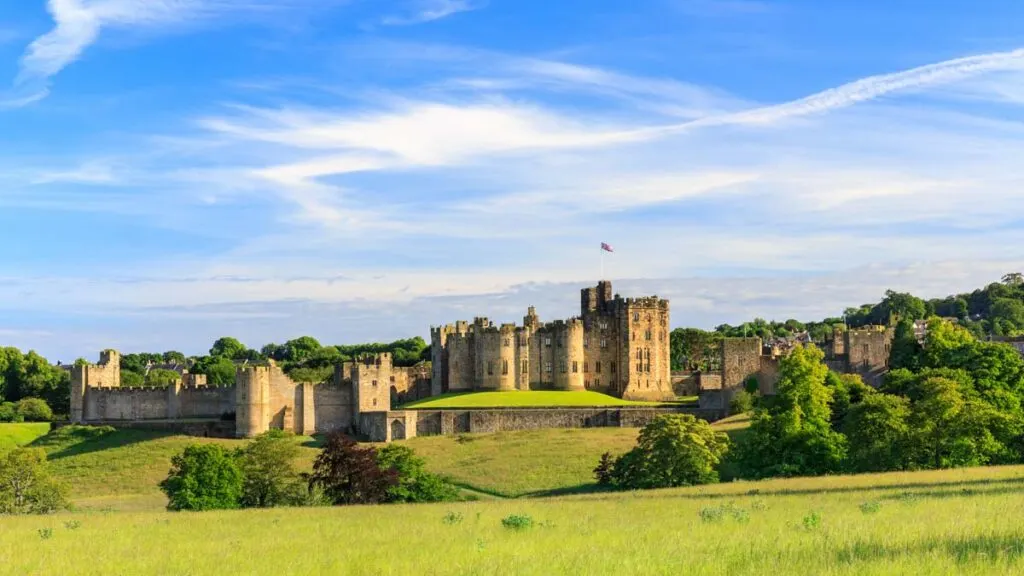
x,y
14,435
950,522
527,398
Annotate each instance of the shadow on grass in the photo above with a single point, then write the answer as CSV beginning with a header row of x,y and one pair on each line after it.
x,y
989,547
75,441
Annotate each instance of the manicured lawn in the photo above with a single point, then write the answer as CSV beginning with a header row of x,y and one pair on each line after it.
x,y
14,435
522,399
946,522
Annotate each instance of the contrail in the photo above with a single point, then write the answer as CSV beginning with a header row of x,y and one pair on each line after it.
x,y
858,91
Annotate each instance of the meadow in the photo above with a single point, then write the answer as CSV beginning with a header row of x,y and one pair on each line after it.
x,y
530,398
947,522
14,435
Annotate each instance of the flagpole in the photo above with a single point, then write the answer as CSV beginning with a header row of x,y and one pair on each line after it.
x,y
602,265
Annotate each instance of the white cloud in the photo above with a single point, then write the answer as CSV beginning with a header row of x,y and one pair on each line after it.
x,y
430,10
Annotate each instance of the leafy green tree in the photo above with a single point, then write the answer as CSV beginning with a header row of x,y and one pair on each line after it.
x,y
301,348
1013,279
348,474
672,450
847,391
692,348
228,347
897,306
269,471
793,435
161,377
219,370
9,412
26,486
174,356
204,477
414,484
130,379
905,351
34,410
879,434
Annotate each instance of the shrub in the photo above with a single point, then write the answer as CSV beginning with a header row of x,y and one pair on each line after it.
x,y
415,484
673,450
605,468
348,474
741,403
517,522
9,413
203,477
26,486
268,467
34,410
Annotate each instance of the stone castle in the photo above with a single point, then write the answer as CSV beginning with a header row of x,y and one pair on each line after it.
x,y
619,346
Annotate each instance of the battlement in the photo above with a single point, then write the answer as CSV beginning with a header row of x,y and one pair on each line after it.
x,y
646,302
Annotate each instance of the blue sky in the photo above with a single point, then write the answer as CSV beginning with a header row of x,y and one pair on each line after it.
x,y
176,170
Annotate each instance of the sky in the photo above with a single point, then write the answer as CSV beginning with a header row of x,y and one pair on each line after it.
x,y
173,171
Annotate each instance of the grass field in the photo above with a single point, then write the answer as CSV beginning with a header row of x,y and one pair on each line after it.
x,y
528,398
949,522
14,435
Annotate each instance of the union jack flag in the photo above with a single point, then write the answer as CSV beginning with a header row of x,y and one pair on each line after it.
x,y
606,247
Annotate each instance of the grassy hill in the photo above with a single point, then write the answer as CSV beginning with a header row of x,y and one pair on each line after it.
x,y
526,398
946,522
14,435
120,469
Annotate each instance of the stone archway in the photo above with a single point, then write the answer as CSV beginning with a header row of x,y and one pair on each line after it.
x,y
397,430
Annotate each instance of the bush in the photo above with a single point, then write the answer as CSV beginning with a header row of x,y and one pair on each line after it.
x,y
26,486
348,474
517,522
741,403
34,410
414,483
9,413
673,450
268,467
203,477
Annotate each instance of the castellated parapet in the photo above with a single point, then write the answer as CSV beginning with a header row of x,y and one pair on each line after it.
x,y
617,346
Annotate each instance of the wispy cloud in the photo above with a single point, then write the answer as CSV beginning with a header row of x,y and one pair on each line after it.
x,y
79,23
430,10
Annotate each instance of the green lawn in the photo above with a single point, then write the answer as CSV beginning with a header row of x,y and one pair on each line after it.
x,y
962,522
14,435
524,399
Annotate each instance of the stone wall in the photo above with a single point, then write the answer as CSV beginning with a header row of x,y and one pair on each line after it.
x,y
867,351
741,359
382,426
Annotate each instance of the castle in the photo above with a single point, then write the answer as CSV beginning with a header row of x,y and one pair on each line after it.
x,y
618,346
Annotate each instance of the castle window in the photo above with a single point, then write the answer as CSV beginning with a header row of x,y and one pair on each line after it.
x,y
597,382
586,367
597,368
639,354
526,367
547,341
490,368
575,367
613,367
374,401
506,343
504,367
636,316
647,367
547,367
604,342
374,383
562,366
586,341
639,367
392,379
647,335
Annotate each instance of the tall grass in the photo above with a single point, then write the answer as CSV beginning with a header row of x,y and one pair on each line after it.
x,y
960,522
14,435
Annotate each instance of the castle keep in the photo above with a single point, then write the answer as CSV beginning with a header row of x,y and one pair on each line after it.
x,y
618,346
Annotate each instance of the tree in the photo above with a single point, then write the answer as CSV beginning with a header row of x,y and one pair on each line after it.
x,y
691,348
414,484
34,410
905,351
203,477
228,347
348,474
26,486
9,412
268,466
219,370
161,377
847,391
672,450
1013,279
131,379
174,356
301,348
878,432
793,435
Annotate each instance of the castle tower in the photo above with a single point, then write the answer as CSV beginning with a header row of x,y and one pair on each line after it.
x,y
569,355
645,372
252,401
372,376
439,359
506,367
106,374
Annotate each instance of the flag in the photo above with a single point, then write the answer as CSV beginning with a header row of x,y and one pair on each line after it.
x,y
606,247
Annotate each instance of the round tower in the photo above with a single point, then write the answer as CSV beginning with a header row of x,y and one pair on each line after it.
x,y
506,367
